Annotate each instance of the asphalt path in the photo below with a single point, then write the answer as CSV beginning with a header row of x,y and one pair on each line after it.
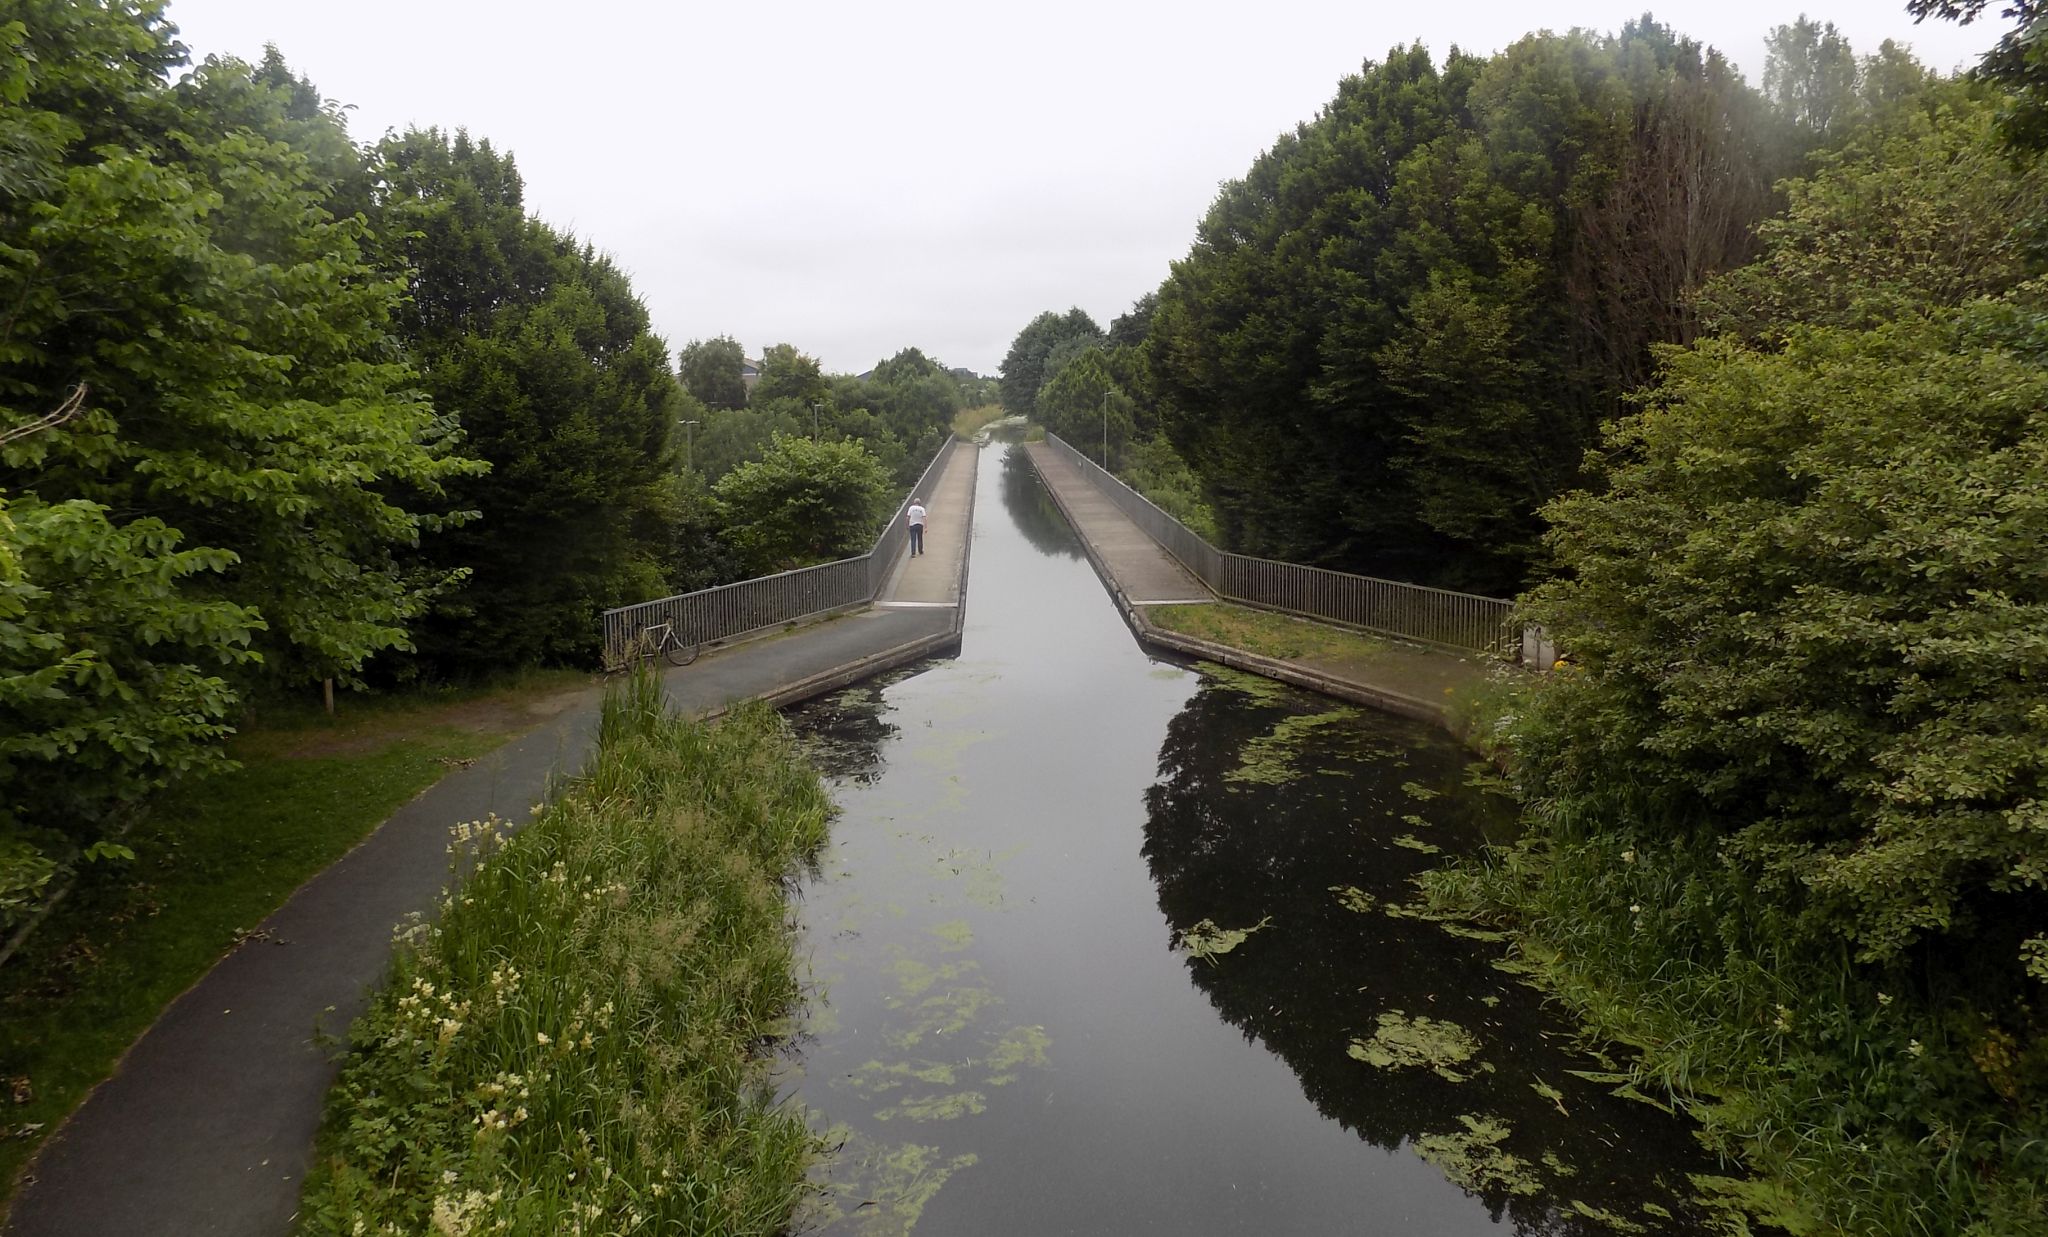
x,y
208,1123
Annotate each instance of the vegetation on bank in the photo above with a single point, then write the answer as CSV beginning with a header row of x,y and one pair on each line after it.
x,y
576,1046
1786,801
1266,633
212,860
211,493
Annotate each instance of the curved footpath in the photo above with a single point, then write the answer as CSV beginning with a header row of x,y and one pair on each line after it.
x,y
208,1124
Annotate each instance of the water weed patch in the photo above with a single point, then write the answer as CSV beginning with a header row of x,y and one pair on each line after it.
x,y
576,1045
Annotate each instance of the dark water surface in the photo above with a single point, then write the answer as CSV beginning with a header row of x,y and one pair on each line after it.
x,y
1105,944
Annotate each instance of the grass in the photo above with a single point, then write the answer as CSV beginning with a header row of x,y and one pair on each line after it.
x,y
213,859
1265,633
577,1046
969,421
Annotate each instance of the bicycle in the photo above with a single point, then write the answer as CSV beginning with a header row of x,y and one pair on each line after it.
x,y
661,640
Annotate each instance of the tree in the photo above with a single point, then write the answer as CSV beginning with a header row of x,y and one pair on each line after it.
x,y
803,502
540,348
1394,337
2019,64
1911,220
159,248
789,374
1811,77
711,371
1024,368
112,682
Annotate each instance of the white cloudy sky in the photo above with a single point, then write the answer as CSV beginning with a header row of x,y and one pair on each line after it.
x,y
856,178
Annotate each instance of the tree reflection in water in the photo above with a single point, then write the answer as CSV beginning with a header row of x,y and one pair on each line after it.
x,y
1032,508
1321,975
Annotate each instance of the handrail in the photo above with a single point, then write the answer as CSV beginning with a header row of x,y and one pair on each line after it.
x,y
1440,616
729,611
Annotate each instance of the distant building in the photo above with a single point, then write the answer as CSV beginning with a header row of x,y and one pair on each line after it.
x,y
750,373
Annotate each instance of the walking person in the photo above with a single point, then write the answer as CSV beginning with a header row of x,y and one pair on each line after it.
x,y
916,526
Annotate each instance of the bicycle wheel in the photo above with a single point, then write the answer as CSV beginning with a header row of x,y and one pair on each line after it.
x,y
681,652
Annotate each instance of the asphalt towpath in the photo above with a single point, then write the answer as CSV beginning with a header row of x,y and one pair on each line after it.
x,y
207,1126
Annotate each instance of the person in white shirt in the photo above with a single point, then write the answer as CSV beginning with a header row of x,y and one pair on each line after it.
x,y
917,526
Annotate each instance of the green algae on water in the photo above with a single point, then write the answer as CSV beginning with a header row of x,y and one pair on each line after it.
x,y
1476,1160
944,1013
1412,842
1355,899
1600,1215
1420,1042
1270,759
885,1188
1261,690
1207,941
1416,790
954,935
874,1078
1019,1047
936,1107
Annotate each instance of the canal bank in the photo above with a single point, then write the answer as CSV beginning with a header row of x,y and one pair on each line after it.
x,y
207,1124
1108,943
1408,680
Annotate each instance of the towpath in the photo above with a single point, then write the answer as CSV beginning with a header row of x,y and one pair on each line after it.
x,y
208,1123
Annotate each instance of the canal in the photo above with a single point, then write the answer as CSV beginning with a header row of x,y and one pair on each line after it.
x,y
1104,943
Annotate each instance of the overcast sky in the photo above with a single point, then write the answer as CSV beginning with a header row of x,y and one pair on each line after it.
x,y
859,177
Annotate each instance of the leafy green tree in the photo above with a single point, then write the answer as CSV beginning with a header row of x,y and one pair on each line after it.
x,y
732,437
789,374
1912,219
1024,368
2019,64
114,677
540,348
158,248
1812,77
803,502
1083,405
711,371
915,401
1395,335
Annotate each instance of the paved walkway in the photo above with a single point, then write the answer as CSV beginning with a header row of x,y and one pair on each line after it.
x,y
1408,679
939,575
207,1125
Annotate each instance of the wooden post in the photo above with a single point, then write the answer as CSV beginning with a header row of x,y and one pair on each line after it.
x,y
327,688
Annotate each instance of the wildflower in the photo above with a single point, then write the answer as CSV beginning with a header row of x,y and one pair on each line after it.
x,y
1635,908
1884,998
541,1038
1915,1047
1784,1019
1629,855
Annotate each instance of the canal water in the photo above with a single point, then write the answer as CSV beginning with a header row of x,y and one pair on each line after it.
x,y
1108,944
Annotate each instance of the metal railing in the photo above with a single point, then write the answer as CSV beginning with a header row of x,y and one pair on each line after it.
x,y
1463,621
729,611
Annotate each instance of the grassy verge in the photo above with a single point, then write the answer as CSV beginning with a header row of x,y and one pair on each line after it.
x,y
575,1046
1866,1101
969,421
212,860
1265,633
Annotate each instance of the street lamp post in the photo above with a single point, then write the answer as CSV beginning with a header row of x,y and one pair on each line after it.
x,y
814,420
1105,431
690,445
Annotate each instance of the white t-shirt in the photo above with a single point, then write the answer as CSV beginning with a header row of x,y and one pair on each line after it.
x,y
916,514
